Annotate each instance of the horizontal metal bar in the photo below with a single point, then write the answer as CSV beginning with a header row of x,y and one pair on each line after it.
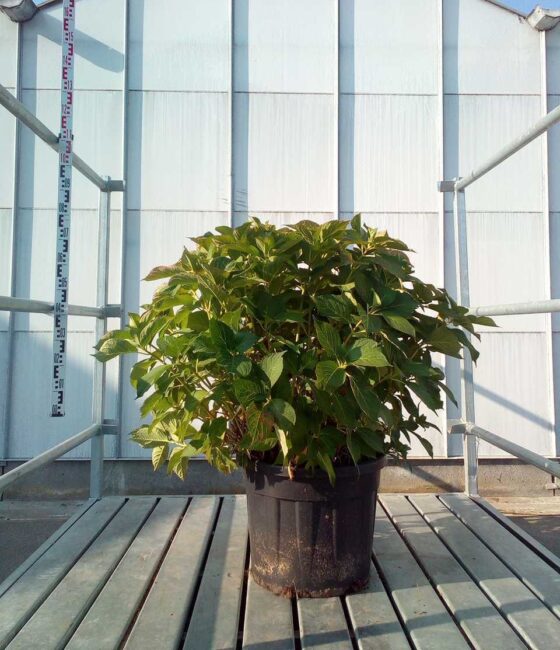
x,y
550,466
538,128
7,303
513,309
48,456
42,131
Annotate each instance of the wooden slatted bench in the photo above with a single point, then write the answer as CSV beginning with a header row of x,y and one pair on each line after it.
x,y
171,572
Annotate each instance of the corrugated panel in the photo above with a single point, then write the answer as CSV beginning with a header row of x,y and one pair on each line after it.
x,y
553,56
476,127
419,231
554,156
283,153
511,391
97,139
556,373
36,262
389,48
388,154
99,46
5,243
3,369
177,157
7,135
488,50
33,431
284,46
506,263
8,52
555,265
179,45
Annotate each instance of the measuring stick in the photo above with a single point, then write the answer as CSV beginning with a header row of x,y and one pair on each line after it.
x,y
64,205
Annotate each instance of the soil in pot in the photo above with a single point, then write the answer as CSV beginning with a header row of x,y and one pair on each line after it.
x,y
307,537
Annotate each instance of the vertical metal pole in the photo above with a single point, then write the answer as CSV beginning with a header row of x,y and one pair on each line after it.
x,y
336,103
124,227
98,402
231,100
462,265
6,420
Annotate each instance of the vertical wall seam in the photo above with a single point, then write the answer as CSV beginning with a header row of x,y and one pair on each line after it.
x,y
336,102
441,195
546,244
6,420
231,96
117,450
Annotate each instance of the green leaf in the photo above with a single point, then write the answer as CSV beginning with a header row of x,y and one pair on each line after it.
x,y
283,441
222,336
444,339
161,272
248,391
428,393
149,437
198,321
354,447
145,382
273,365
330,375
259,423
329,338
283,413
399,323
113,347
365,352
333,306
367,399
245,340
159,456
241,365
372,442
326,463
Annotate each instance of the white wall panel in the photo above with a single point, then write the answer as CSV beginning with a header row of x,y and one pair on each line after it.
x,y
555,264
7,138
33,430
476,127
36,263
3,372
283,153
390,48
507,264
488,50
284,46
388,160
179,45
556,373
554,157
511,391
553,56
5,245
177,157
97,139
99,37
419,231
8,51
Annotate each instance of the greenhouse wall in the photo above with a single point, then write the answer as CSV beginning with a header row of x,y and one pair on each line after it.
x,y
313,113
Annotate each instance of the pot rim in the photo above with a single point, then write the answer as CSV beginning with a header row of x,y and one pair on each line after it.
x,y
300,473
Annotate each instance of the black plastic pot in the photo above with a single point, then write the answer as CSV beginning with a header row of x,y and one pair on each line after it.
x,y
308,537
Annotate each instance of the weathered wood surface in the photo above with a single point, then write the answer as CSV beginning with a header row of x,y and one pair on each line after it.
x,y
168,573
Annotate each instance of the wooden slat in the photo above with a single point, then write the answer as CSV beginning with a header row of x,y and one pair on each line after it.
x,y
161,621
24,566
215,620
268,620
536,624
374,620
531,542
55,621
107,621
24,596
322,624
428,622
479,619
539,576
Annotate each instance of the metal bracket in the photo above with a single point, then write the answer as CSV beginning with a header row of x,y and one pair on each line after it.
x,y
446,186
112,311
109,428
456,427
114,186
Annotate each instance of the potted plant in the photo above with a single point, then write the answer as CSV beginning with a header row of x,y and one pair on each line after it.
x,y
301,354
